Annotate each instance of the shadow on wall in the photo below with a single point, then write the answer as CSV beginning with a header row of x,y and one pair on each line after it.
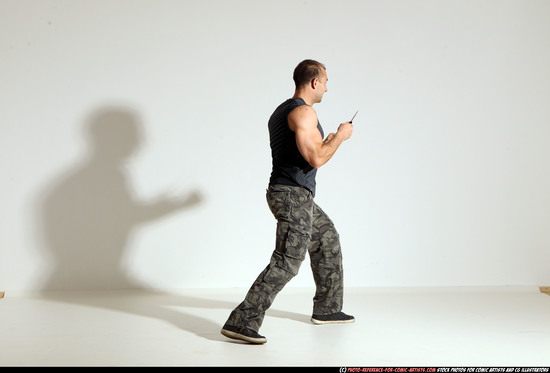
x,y
89,214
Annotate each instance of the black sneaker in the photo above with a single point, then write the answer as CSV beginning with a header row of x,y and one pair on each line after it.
x,y
335,318
244,334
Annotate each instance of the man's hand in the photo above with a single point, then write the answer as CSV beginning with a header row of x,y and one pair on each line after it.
x,y
329,138
346,129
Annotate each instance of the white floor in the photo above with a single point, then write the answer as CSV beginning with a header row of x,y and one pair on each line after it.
x,y
394,327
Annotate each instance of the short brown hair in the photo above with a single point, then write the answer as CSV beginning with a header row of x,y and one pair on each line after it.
x,y
306,71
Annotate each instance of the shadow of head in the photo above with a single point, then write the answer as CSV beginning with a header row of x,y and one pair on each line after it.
x,y
114,133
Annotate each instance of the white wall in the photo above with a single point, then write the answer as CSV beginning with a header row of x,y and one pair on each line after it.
x,y
445,182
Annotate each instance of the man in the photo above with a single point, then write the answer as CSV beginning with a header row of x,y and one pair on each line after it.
x,y
298,150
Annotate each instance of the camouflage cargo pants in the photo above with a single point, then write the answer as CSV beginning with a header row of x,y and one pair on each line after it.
x,y
301,227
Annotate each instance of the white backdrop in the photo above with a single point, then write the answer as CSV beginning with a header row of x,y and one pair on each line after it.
x,y
112,110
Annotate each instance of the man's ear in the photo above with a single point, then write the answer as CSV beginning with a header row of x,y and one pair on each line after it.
x,y
314,82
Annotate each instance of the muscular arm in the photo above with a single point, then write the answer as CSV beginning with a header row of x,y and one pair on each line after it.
x,y
303,122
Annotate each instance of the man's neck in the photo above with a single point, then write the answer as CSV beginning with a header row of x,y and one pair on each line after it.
x,y
303,94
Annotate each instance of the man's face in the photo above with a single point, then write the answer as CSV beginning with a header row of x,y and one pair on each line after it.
x,y
321,86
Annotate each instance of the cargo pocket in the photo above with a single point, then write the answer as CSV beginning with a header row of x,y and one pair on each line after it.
x,y
279,204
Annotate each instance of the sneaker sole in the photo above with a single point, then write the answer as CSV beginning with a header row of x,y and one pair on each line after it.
x,y
234,335
323,322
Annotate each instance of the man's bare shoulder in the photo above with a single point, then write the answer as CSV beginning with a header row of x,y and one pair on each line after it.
x,y
302,116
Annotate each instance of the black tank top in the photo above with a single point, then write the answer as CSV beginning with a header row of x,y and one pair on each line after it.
x,y
289,167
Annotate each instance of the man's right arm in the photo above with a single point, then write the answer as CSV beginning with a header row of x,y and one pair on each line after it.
x,y
303,122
